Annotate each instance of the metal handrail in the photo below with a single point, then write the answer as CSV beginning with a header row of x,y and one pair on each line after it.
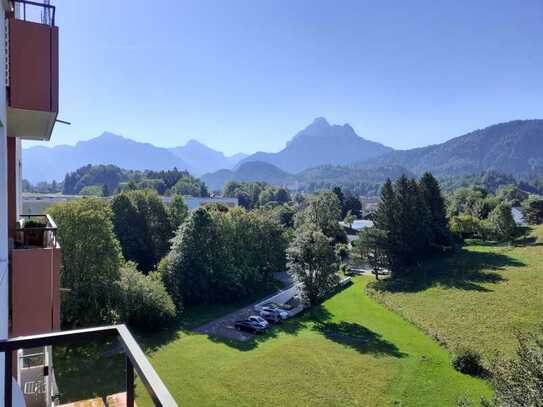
x,y
135,359
49,7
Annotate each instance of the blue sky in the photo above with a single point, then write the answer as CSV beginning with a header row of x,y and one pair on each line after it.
x,y
247,75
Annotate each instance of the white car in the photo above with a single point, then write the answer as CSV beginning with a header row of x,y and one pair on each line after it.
x,y
273,311
259,320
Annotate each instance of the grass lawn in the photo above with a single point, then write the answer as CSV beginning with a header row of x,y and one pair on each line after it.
x,y
349,351
477,298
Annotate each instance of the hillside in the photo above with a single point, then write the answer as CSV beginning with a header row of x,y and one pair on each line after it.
x,y
321,143
362,181
514,147
203,159
53,163
250,171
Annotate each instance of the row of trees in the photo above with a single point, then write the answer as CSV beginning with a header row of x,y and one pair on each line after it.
x,y
219,256
475,213
410,225
105,180
252,195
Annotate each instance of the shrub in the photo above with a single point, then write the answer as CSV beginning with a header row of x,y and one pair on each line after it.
x,y
143,300
468,362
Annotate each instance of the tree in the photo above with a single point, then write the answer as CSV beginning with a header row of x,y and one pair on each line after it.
x,y
434,201
178,211
519,382
501,222
142,225
282,195
324,211
91,258
349,219
372,246
532,210
144,302
466,227
341,198
353,204
311,259
190,261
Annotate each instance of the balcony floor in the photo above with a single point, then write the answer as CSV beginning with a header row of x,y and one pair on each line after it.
x,y
114,400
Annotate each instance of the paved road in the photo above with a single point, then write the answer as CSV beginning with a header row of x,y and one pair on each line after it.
x,y
224,326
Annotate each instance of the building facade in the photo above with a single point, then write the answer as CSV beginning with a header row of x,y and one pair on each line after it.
x,y
30,255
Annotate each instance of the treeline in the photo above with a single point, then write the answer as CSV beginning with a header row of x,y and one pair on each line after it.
x,y
220,256
135,259
106,180
493,182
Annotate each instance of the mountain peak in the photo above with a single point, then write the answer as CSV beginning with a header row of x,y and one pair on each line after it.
x,y
320,121
195,143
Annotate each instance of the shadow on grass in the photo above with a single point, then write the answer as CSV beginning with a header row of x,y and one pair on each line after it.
x,y
466,270
359,338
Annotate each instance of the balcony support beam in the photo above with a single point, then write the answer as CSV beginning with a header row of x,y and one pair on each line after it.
x,y
8,381
129,383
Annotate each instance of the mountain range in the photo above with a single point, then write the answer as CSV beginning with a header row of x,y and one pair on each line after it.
x,y
41,163
514,147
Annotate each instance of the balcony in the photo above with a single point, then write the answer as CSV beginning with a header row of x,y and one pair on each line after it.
x,y
34,282
32,78
135,363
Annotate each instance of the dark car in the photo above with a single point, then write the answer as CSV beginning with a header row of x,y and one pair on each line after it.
x,y
249,326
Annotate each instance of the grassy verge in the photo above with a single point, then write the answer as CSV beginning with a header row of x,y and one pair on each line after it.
x,y
349,351
478,298
98,370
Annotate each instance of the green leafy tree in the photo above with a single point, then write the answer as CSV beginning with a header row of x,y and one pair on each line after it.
x,y
352,204
142,225
90,261
349,219
144,302
312,260
372,247
501,222
190,262
178,211
518,382
532,210
341,198
466,227
324,212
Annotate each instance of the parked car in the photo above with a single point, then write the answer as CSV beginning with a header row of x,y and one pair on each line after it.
x,y
265,310
271,317
259,320
284,307
249,326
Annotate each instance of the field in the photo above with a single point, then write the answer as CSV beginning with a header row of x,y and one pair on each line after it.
x,y
349,351
478,298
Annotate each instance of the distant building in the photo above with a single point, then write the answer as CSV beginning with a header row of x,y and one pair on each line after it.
x,y
195,203
353,229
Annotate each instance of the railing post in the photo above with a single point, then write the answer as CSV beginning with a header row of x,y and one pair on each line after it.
x,y
129,382
8,372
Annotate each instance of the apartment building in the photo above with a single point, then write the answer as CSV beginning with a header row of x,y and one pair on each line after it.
x,y
30,255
